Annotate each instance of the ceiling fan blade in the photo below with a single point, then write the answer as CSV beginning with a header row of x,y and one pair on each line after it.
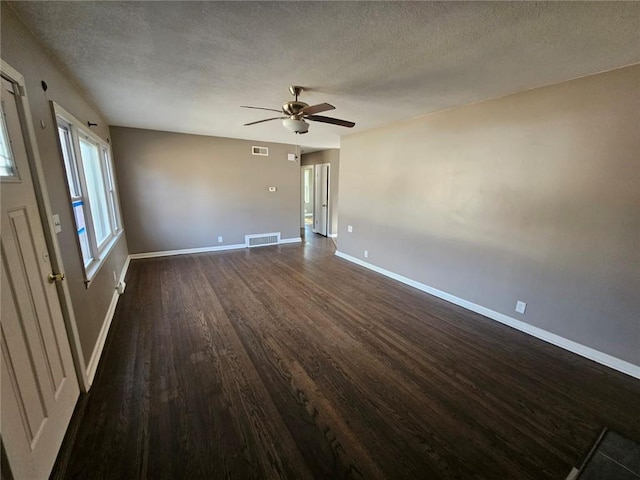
x,y
333,121
261,108
265,120
321,107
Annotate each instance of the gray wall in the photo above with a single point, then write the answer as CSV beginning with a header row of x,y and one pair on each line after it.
x,y
22,52
182,191
332,157
534,197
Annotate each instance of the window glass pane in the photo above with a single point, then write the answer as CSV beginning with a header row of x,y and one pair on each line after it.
x,y
69,165
114,215
112,192
78,213
6,158
95,190
105,155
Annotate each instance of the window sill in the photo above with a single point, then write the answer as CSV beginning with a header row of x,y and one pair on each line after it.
x,y
91,270
10,179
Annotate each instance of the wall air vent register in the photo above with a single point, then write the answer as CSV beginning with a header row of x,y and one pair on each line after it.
x,y
263,151
262,239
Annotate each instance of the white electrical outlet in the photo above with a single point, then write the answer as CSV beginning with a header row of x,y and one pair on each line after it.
x,y
521,306
366,254
349,228
219,239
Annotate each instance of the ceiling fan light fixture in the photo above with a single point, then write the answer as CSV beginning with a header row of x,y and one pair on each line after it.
x,y
296,126
295,113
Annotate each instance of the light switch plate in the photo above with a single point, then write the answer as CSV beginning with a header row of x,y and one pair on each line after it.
x,y
521,306
57,227
349,228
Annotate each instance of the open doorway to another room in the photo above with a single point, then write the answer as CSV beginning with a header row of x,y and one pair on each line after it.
x,y
319,192
315,202
321,200
307,196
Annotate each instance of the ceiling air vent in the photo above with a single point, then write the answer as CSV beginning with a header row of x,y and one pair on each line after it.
x,y
262,239
264,151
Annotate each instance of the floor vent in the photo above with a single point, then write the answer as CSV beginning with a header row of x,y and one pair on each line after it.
x,y
262,239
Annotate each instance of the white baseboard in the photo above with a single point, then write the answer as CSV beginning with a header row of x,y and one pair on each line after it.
x,y
582,350
291,240
333,235
187,251
92,364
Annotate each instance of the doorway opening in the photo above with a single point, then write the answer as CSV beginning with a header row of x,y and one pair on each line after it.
x,y
321,200
315,199
307,195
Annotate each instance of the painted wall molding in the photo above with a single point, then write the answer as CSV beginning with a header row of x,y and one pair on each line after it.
x,y
291,240
92,364
187,251
574,347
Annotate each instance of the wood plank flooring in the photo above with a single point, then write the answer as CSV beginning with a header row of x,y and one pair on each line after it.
x,y
288,362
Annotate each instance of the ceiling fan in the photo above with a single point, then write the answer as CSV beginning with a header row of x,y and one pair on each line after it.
x,y
294,114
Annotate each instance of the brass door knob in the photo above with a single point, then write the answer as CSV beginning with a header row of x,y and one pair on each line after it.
x,y
56,277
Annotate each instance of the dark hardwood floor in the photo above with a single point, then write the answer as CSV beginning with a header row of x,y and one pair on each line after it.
x,y
288,362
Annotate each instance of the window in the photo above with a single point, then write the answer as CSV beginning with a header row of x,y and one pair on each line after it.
x,y
7,166
92,192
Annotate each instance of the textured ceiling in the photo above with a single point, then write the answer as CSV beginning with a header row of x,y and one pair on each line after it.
x,y
188,66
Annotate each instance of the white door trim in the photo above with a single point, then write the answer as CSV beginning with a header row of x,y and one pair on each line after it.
x,y
44,206
316,169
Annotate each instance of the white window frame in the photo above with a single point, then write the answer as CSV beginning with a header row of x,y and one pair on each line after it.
x,y
15,175
97,252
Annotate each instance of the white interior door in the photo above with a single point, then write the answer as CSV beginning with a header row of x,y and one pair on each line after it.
x,y
321,207
39,387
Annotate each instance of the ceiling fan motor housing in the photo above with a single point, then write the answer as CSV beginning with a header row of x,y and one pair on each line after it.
x,y
293,108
